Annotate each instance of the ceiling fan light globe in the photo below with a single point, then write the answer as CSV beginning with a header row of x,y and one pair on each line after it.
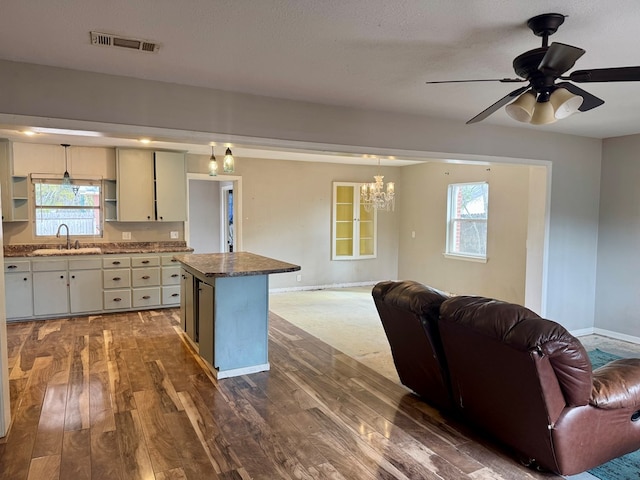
x,y
564,102
543,114
522,108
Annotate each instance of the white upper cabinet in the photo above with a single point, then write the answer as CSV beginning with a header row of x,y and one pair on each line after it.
x,y
151,186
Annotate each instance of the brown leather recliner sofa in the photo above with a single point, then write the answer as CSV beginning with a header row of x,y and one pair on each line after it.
x,y
523,379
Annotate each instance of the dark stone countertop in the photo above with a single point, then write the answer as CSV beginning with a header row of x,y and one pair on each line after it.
x,y
122,248
234,264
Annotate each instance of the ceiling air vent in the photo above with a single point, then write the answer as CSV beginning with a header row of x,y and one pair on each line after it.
x,y
109,40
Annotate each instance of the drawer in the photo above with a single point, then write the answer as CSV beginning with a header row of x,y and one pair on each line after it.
x,y
146,297
116,278
116,299
85,263
17,266
150,261
116,262
145,277
48,265
167,259
171,295
171,275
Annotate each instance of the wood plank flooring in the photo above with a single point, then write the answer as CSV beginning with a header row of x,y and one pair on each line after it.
x,y
123,396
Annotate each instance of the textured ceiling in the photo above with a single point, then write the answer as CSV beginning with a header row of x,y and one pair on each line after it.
x,y
373,54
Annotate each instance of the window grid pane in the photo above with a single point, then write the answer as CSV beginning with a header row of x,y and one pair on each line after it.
x,y
468,207
77,206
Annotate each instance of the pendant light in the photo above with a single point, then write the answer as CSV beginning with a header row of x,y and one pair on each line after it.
x,y
66,178
228,164
213,164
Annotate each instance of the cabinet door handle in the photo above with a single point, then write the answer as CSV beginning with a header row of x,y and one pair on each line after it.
x,y
175,294
61,276
117,262
117,299
115,279
146,297
174,275
73,276
25,279
148,217
11,267
161,218
145,261
145,277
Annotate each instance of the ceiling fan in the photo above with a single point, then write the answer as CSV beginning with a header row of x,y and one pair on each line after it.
x,y
545,100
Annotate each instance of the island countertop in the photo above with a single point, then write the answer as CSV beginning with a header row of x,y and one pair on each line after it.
x,y
234,264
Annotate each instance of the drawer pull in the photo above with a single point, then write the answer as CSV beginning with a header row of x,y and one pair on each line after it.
x,y
73,276
174,275
146,297
146,277
117,262
174,260
11,267
25,279
61,276
173,294
115,279
117,299
145,261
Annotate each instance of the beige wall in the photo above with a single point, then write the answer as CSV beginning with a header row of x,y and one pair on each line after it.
x,y
287,213
423,209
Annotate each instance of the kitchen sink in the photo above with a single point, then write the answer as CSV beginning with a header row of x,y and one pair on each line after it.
x,y
65,251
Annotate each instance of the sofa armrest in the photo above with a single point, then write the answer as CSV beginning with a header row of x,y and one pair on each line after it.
x,y
617,385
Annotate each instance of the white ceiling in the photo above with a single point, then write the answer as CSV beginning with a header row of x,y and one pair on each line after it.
x,y
373,54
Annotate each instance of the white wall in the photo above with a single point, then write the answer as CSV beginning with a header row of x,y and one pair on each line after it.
x,y
204,216
54,94
423,209
618,287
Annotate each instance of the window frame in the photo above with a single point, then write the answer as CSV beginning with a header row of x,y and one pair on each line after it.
x,y
81,182
453,221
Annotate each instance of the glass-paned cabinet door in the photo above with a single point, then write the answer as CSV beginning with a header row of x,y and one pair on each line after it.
x,y
354,228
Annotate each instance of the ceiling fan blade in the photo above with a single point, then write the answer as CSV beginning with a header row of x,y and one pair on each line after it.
x,y
496,106
501,80
589,101
559,58
618,74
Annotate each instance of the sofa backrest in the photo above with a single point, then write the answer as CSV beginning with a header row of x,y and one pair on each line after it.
x,y
409,313
512,372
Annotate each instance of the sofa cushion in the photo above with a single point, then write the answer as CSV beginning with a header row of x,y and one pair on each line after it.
x,y
524,330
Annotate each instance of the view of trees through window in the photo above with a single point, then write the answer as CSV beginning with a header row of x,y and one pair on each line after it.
x,y
76,205
468,206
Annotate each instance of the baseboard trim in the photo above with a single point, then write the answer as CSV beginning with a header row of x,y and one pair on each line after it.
x,y
616,335
323,287
582,332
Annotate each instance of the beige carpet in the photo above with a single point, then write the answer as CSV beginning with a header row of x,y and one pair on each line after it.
x,y
345,318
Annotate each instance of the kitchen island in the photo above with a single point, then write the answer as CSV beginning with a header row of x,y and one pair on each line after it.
x,y
225,308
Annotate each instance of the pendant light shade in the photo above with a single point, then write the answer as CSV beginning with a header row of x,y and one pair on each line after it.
x,y
66,178
522,108
213,164
564,102
228,164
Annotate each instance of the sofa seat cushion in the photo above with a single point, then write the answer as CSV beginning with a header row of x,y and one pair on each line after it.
x,y
617,385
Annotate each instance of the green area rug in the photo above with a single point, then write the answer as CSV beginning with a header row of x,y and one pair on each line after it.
x,y
626,467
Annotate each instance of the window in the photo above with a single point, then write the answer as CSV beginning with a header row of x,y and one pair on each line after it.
x,y
76,205
467,208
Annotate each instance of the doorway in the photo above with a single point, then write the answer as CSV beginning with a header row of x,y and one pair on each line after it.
x,y
214,213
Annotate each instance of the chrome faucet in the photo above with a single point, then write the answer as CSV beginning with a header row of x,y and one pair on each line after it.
x,y
58,234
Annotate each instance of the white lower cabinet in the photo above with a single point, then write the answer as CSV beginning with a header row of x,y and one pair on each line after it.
x,y
18,284
54,286
85,285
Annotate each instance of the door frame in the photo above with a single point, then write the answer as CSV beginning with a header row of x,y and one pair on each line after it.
x,y
237,204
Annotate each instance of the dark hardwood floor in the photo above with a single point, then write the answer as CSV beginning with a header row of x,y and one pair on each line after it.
x,y
122,396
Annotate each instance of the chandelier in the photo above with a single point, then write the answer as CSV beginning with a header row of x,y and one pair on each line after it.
x,y
375,196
